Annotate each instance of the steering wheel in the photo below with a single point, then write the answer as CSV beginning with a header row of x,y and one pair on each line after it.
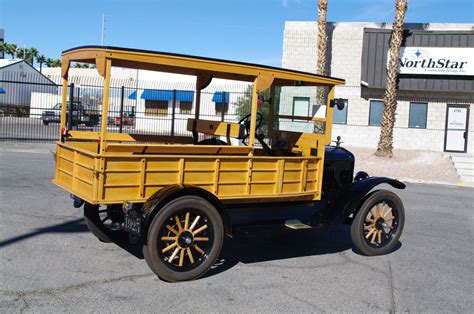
x,y
246,122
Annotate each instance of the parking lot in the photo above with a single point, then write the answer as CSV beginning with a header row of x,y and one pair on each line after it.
x,y
51,263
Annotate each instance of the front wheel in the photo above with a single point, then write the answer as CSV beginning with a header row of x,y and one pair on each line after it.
x,y
184,239
379,223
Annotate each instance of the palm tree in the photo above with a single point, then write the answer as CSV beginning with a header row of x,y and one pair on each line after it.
x,y
385,146
30,55
41,60
322,37
12,50
49,62
3,47
56,63
322,56
20,53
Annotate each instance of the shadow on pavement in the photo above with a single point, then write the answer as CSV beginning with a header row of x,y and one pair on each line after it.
x,y
261,244
73,226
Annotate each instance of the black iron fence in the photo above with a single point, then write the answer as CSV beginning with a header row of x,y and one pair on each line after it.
x,y
30,105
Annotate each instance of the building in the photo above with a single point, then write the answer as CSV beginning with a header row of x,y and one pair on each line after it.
x,y
436,81
18,81
165,100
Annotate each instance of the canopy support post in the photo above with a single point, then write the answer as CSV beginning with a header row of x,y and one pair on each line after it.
x,y
105,106
260,84
202,81
329,113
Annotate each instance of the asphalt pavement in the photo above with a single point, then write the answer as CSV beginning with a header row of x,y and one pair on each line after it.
x,y
49,262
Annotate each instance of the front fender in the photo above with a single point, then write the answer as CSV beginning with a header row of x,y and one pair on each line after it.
x,y
357,192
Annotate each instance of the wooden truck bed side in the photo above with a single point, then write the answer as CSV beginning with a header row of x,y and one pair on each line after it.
x,y
113,178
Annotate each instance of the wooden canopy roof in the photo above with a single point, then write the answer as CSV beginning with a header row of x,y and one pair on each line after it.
x,y
188,65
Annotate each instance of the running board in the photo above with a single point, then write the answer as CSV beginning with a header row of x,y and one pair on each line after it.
x,y
296,224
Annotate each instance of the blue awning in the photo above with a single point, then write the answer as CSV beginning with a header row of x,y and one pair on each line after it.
x,y
2,91
163,94
219,96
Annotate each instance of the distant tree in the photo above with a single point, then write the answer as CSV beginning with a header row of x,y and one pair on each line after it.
x,y
49,62
56,63
3,47
385,145
12,50
30,55
41,60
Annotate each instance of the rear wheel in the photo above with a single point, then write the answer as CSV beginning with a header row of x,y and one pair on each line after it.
x,y
45,122
379,223
184,239
105,223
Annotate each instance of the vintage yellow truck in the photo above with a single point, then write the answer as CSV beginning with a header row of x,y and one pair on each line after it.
x,y
175,194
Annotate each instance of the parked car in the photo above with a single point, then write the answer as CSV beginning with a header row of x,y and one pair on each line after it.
x,y
127,119
81,114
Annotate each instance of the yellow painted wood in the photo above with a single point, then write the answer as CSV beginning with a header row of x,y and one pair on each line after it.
x,y
253,114
192,65
105,106
109,179
329,114
125,167
63,107
217,128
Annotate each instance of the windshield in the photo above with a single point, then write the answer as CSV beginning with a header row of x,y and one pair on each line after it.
x,y
296,106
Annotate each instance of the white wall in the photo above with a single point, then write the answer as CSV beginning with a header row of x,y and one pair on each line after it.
x,y
18,94
299,52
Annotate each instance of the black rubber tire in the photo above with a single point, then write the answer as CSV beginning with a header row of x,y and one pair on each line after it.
x,y
357,227
150,250
97,228
45,122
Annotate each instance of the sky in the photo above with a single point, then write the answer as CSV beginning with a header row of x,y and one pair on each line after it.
x,y
244,30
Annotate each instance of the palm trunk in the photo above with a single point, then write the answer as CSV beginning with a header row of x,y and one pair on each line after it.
x,y
319,127
385,146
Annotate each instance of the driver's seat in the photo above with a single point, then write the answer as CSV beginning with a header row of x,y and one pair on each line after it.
x,y
216,128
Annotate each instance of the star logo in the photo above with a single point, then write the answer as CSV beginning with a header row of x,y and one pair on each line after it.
x,y
417,53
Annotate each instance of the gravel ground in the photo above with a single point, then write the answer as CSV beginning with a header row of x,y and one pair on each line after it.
x,y
407,165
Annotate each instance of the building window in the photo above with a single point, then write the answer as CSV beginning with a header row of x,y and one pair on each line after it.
x,y
301,106
376,112
418,114
340,116
156,107
185,107
220,106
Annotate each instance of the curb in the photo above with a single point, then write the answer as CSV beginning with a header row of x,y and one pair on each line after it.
x,y
420,181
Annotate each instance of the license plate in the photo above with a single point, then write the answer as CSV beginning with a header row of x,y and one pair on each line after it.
x,y
132,223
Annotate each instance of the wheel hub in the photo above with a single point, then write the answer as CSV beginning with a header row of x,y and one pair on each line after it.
x,y
185,239
379,223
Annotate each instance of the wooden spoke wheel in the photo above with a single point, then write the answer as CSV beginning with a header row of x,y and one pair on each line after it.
x,y
105,223
184,239
378,223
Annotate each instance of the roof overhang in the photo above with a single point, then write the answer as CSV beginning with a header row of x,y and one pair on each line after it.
x,y
188,65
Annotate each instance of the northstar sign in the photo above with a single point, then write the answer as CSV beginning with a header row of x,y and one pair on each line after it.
x,y
436,61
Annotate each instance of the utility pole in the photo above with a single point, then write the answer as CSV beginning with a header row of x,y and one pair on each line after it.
x,y
103,30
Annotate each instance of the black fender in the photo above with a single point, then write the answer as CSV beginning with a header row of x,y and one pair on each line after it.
x,y
159,199
355,195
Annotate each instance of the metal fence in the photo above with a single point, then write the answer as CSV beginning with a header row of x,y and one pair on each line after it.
x,y
31,104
